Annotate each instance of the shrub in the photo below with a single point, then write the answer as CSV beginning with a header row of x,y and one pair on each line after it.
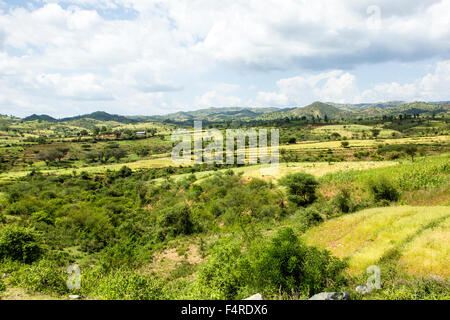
x,y
383,190
225,273
126,285
43,216
89,226
23,207
285,265
175,220
343,201
44,277
311,216
282,266
19,243
301,188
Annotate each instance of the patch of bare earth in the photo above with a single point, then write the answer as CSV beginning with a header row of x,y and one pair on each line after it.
x,y
23,294
168,260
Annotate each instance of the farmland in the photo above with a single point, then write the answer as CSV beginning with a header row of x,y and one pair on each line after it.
x,y
103,193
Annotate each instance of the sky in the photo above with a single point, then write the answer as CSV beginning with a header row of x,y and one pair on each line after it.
x,y
144,57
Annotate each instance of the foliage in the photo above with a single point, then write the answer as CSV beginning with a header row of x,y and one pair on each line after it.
x,y
343,201
301,188
383,190
44,276
126,285
281,266
19,243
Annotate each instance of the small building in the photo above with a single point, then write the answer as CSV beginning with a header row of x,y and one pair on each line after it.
x,y
141,133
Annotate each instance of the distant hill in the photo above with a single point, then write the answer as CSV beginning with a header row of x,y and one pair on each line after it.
x,y
42,117
102,116
320,109
212,114
331,110
419,108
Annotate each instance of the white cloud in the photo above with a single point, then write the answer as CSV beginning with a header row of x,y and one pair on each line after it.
x,y
433,86
220,96
330,86
172,45
339,86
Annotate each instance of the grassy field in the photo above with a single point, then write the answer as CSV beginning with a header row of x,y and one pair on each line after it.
x,y
355,130
420,234
367,143
266,172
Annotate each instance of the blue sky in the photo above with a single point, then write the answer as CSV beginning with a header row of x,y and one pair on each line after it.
x,y
132,57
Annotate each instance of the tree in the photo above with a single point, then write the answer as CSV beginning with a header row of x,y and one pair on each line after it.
x,y
301,188
53,154
345,144
375,132
96,131
411,150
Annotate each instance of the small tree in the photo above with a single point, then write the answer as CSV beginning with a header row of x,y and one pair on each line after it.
x,y
411,150
345,144
375,132
301,188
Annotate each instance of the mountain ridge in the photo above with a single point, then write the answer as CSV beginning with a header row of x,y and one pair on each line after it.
x,y
316,109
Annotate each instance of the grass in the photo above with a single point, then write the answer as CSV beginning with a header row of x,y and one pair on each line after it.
x,y
422,174
367,143
349,130
318,169
429,253
23,294
371,235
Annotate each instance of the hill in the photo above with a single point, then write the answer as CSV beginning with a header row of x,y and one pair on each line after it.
x,y
102,116
212,114
332,111
319,109
42,117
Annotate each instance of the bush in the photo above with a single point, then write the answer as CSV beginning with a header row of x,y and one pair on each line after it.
x,y
175,220
44,277
311,216
125,285
225,273
343,201
282,266
301,188
19,243
383,190
43,216
285,265
2,286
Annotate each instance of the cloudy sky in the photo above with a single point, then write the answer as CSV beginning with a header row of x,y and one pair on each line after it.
x,y
148,57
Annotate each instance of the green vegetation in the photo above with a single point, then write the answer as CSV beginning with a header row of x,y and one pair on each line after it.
x,y
357,186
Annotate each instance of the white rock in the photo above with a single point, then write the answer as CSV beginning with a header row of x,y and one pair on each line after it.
x,y
331,296
257,296
363,289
